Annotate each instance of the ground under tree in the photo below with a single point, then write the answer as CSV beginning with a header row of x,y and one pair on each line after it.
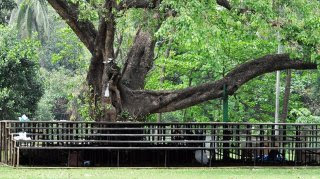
x,y
126,85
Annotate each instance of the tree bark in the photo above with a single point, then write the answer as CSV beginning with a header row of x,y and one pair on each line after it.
x,y
139,61
286,97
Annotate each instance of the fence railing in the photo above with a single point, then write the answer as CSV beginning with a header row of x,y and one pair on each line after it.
x,y
296,144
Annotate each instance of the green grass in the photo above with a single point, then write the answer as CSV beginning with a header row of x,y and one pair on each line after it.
x,y
186,173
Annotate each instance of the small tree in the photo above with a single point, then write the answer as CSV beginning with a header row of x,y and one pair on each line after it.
x,y
20,85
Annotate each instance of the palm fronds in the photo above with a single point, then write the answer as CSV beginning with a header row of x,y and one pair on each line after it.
x,y
31,16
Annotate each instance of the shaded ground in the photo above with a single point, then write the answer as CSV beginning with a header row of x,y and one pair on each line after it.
x,y
232,173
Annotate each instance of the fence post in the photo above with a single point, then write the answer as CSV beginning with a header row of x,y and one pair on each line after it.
x,y
1,142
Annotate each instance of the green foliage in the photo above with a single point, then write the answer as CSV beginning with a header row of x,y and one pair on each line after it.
x,y
64,63
64,49
88,9
62,97
302,29
20,85
208,41
303,115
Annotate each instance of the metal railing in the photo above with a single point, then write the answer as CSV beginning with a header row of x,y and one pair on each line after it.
x,y
246,143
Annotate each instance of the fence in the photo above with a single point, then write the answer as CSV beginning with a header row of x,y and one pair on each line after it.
x,y
158,144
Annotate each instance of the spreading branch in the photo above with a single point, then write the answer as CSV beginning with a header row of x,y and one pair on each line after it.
x,y
83,29
165,101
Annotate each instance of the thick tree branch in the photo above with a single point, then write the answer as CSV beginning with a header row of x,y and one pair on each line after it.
x,y
165,101
139,61
84,29
126,4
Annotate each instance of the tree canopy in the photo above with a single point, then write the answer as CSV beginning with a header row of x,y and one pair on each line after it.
x,y
194,32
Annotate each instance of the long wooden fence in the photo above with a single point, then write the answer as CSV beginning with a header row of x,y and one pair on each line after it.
x,y
158,144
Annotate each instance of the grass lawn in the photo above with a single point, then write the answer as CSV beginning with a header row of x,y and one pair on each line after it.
x,y
213,173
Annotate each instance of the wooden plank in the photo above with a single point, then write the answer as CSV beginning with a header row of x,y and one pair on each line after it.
x,y
196,135
172,128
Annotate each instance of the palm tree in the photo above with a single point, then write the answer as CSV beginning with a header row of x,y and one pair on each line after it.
x,y
30,16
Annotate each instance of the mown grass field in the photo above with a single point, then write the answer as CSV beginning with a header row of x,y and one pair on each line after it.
x,y
186,173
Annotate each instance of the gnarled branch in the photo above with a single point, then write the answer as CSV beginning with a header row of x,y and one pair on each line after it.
x,y
84,29
165,101
139,61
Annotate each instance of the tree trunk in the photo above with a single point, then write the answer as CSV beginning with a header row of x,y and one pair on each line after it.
x,y
94,80
286,97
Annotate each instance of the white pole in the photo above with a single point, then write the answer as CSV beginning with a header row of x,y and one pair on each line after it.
x,y
276,116
280,50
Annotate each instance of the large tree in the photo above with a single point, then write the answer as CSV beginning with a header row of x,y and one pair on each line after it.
x,y
127,84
